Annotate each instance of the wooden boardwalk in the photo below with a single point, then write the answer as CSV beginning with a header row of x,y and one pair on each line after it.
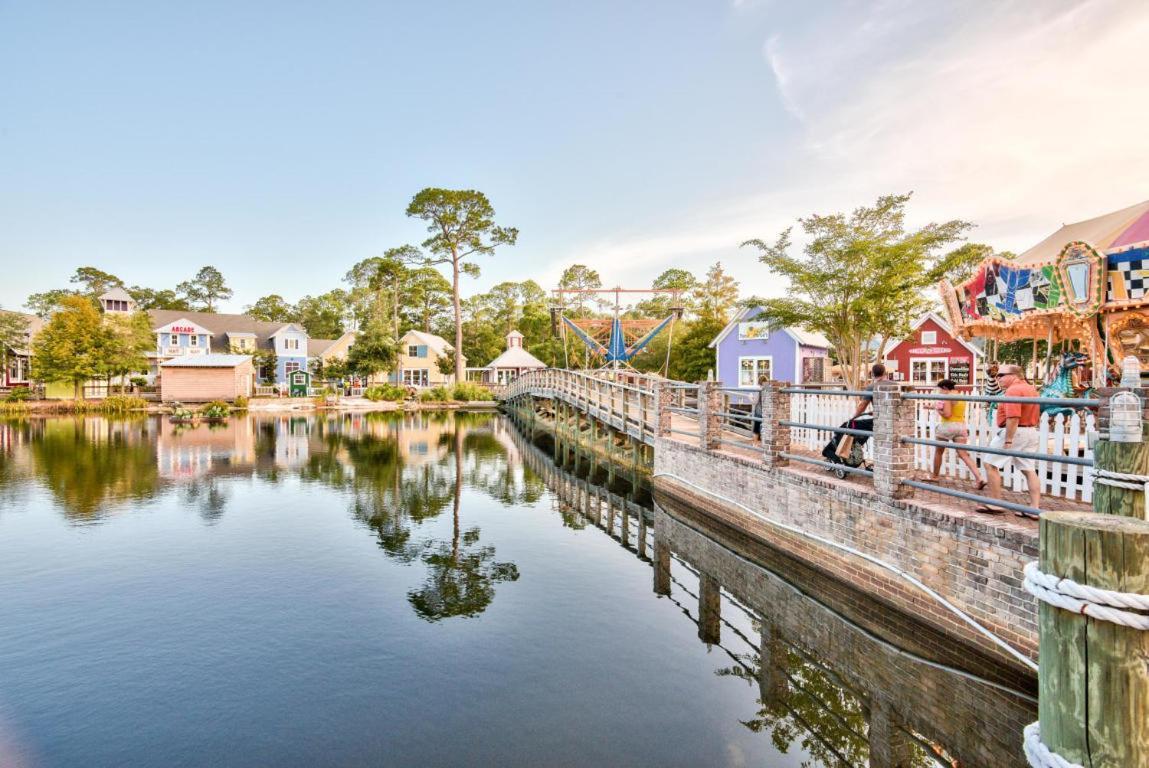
x,y
630,403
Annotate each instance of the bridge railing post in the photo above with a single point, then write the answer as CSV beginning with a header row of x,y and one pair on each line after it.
x,y
775,436
664,401
893,459
709,415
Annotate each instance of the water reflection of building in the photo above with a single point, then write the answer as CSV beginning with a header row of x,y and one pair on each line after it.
x,y
838,673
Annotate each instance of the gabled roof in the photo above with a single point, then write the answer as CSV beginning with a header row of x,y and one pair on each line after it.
x,y
182,322
436,344
516,357
220,325
296,327
118,294
33,325
207,361
945,326
804,338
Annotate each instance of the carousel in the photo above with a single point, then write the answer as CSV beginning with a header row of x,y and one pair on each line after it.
x,y
1084,290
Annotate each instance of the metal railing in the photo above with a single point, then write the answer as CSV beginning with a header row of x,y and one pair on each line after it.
x,y
1044,459
630,402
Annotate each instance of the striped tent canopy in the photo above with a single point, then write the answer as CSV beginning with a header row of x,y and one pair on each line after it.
x,y
1027,297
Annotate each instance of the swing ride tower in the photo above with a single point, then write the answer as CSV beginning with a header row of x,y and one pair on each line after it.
x,y
613,340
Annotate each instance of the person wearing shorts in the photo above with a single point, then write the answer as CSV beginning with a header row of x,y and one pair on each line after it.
x,y
953,429
1017,431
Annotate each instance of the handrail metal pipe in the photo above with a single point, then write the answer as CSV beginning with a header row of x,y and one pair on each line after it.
x,y
836,392
1076,402
682,410
1023,508
746,416
827,464
821,428
684,432
1081,462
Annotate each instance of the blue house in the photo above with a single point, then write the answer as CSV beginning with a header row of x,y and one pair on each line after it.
x,y
747,349
181,334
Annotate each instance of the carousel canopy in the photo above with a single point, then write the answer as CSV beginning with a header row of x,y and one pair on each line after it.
x,y
1055,289
1116,230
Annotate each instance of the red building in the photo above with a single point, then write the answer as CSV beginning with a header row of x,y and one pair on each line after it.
x,y
931,353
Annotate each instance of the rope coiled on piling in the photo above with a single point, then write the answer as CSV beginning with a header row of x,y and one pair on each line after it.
x,y
1096,603
1038,754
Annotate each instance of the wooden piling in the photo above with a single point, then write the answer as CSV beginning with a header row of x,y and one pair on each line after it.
x,y
1129,458
1094,680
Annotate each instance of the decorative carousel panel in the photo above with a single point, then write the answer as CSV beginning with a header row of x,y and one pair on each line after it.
x,y
1128,277
1082,271
1003,292
1129,335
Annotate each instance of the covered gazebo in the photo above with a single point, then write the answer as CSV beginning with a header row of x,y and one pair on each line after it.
x,y
512,363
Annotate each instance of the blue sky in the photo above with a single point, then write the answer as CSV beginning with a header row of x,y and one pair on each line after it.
x,y
281,141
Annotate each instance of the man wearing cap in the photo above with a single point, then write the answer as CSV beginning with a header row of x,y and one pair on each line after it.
x,y
1017,431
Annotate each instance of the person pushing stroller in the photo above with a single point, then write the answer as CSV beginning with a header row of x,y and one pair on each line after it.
x,y
861,420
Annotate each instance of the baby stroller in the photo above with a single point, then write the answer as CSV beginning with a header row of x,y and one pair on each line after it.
x,y
855,457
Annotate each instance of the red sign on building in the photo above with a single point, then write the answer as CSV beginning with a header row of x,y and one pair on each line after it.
x,y
931,353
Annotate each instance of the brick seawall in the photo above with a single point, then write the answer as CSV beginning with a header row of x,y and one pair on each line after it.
x,y
973,562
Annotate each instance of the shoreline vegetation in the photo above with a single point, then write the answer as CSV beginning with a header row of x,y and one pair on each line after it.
x,y
269,404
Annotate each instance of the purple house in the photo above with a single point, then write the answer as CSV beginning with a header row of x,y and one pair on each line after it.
x,y
748,348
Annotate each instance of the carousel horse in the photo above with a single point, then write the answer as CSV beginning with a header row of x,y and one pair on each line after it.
x,y
1064,383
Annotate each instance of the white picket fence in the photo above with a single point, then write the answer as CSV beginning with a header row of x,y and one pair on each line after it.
x,y
1059,436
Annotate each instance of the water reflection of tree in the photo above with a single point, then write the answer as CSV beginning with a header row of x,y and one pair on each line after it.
x,y
812,706
394,498
89,463
461,574
209,497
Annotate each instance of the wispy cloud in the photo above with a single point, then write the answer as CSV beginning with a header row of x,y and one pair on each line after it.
x,y
1017,119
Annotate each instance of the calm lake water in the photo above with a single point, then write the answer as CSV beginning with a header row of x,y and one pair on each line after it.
x,y
366,590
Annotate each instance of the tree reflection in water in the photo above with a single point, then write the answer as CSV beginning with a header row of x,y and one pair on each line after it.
x,y
403,473
90,463
462,575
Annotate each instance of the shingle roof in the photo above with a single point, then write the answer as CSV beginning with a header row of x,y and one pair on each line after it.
x,y
207,361
316,347
516,357
117,293
34,324
437,343
219,324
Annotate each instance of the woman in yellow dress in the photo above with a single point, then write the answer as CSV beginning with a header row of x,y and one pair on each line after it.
x,y
953,429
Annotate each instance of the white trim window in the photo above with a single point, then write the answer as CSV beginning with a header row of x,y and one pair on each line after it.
x,y
193,340
929,338
290,344
416,377
751,368
290,367
928,370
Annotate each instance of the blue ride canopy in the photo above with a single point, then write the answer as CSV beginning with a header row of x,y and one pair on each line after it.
x,y
616,349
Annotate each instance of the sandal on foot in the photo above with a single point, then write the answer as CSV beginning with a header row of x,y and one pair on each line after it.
x,y
983,510
981,485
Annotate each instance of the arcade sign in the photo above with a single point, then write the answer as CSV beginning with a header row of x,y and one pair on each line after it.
x,y
182,329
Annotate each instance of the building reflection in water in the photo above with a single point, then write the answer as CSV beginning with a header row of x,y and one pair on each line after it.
x,y
399,472
844,677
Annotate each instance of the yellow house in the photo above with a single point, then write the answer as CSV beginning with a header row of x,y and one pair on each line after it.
x,y
330,350
418,360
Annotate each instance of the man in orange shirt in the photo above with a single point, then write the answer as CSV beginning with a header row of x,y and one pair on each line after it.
x,y
1017,430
